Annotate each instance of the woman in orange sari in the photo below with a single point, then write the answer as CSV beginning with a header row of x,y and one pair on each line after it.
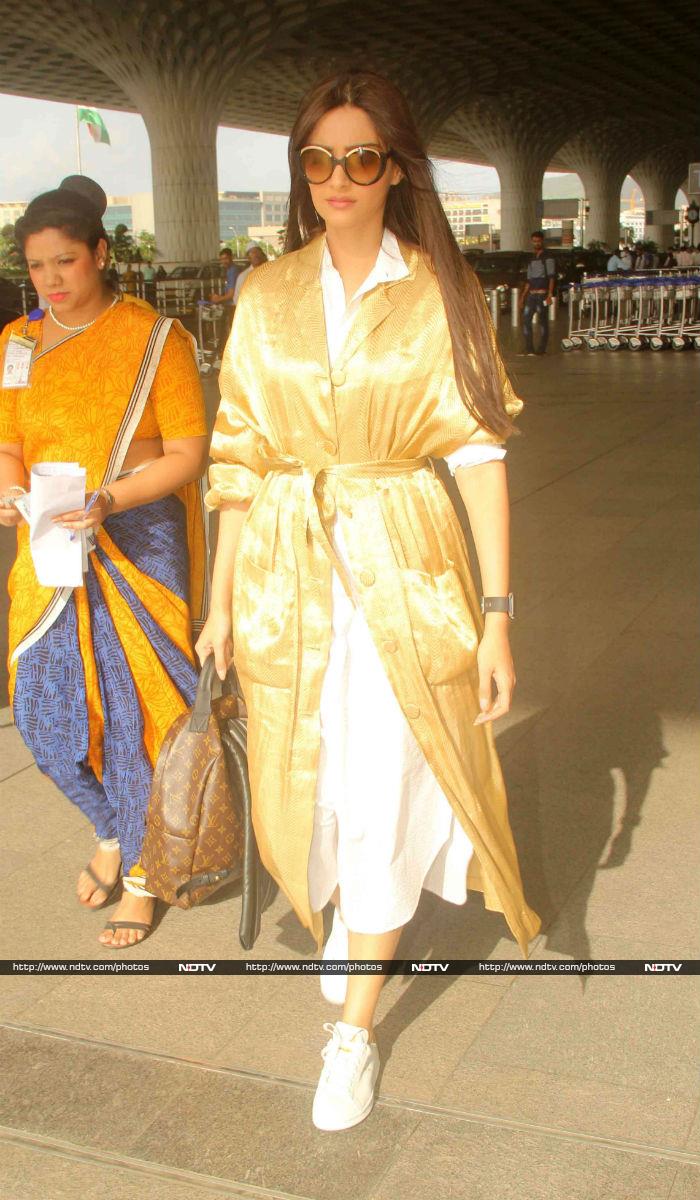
x,y
99,672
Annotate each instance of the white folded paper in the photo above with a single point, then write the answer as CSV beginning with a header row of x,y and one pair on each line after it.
x,y
56,488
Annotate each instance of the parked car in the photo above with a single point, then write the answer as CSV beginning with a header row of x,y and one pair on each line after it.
x,y
472,254
501,270
185,285
209,270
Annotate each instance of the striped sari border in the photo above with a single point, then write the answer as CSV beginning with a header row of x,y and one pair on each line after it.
x,y
139,396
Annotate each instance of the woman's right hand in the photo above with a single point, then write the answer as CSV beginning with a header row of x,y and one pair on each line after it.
x,y
216,638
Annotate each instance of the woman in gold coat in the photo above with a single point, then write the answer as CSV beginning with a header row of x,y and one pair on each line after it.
x,y
342,583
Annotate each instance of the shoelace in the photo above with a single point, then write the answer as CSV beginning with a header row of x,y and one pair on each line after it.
x,y
342,1059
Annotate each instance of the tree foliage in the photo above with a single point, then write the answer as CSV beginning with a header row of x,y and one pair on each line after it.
x,y
239,245
123,245
146,244
11,257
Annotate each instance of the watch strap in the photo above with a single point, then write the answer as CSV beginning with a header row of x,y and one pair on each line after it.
x,y
498,604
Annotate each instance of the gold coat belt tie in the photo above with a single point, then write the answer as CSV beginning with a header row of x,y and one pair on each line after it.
x,y
379,469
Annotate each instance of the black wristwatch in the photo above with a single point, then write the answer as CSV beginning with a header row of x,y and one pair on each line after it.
x,y
498,604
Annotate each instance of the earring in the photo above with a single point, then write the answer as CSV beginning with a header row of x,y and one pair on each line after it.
x,y
101,263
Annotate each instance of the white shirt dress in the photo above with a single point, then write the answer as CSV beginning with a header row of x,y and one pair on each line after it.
x,y
383,828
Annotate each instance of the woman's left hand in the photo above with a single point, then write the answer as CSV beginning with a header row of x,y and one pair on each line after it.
x,y
82,519
495,661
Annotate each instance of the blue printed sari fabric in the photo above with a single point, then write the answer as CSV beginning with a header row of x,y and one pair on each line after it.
x,y
96,694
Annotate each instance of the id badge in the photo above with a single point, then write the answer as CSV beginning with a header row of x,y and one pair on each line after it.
x,y
17,365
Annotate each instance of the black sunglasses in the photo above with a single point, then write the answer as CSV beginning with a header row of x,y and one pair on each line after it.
x,y
363,164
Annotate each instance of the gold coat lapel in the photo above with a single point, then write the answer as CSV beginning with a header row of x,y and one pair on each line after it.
x,y
374,308
303,310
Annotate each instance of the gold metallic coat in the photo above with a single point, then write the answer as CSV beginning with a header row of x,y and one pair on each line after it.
x,y
303,442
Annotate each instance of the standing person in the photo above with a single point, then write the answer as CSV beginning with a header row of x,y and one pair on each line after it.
x,y
256,257
98,673
537,294
230,273
367,668
149,280
129,280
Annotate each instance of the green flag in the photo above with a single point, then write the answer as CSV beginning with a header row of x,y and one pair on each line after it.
x,y
96,126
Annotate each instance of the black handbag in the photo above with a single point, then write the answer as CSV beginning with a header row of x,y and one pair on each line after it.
x,y
199,832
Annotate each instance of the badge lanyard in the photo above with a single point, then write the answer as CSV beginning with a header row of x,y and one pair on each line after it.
x,y
19,354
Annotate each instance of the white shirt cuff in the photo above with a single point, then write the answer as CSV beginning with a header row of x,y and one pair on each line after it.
x,y
470,456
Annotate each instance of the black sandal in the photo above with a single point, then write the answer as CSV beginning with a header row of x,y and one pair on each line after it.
x,y
114,925
107,888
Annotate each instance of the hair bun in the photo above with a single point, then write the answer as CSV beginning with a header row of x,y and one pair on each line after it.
x,y
87,188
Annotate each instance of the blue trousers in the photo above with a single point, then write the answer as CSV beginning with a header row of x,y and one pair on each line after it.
x,y
535,304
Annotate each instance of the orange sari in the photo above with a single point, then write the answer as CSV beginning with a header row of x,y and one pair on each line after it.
x,y
80,406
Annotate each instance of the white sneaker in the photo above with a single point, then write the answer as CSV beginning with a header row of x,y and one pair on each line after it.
x,y
345,1092
334,985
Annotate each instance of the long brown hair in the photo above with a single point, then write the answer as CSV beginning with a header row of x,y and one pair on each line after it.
x,y
414,213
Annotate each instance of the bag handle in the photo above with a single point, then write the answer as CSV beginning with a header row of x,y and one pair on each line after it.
x,y
201,710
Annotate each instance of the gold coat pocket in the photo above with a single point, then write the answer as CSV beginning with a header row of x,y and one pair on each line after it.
x,y
444,632
264,606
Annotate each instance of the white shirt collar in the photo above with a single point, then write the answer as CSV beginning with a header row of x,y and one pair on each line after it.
x,y
389,265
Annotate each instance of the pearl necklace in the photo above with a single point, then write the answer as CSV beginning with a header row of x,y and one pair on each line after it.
x,y
78,328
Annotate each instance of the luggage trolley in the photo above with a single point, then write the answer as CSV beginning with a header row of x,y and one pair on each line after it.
x,y
670,314
657,312
626,323
650,309
209,316
580,306
593,314
688,298
605,311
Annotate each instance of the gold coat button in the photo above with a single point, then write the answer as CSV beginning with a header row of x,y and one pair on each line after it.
x,y
337,378
330,447
367,578
391,645
412,711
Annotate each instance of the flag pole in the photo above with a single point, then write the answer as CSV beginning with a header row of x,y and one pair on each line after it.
x,y
77,141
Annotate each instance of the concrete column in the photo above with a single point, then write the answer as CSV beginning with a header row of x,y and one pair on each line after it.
x,y
518,133
176,74
602,187
520,176
602,155
176,66
182,132
660,175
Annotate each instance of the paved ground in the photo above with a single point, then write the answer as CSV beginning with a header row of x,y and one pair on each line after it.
x,y
519,1088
